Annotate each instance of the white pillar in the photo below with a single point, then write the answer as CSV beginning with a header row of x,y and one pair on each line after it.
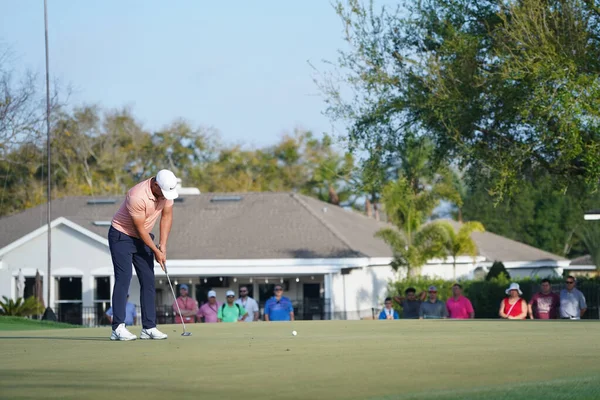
x,y
328,283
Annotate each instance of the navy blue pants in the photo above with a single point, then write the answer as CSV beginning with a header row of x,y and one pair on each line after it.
x,y
124,251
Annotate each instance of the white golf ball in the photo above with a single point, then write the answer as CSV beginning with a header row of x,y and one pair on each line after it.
x,y
294,333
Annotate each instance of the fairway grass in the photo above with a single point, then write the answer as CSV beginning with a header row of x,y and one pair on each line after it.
x,y
373,360
24,324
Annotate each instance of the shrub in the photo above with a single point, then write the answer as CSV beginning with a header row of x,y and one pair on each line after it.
x,y
21,307
496,271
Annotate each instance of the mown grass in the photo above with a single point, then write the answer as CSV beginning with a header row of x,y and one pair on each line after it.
x,y
25,324
374,360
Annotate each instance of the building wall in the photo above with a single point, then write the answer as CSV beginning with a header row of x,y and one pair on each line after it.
x,y
73,254
356,293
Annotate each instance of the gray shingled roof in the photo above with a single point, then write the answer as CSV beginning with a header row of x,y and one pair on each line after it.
x,y
582,261
498,248
261,225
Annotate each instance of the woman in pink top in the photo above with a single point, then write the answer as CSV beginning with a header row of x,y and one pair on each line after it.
x,y
513,306
458,306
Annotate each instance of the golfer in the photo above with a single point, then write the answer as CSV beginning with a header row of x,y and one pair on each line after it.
x,y
130,241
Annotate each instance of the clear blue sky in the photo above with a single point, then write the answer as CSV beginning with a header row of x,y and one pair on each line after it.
x,y
238,66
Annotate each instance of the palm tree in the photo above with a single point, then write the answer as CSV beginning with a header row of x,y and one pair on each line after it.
x,y
461,242
411,242
21,307
589,233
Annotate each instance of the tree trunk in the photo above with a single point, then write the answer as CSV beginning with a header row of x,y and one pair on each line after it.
x,y
368,209
333,196
454,268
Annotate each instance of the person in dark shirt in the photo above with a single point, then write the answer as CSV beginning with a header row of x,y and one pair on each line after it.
x,y
410,303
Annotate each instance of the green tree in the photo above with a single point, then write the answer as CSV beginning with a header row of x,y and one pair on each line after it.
x,y
497,86
412,243
409,202
460,243
589,233
497,271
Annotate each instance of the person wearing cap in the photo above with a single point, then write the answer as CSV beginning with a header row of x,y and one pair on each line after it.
x,y
459,307
187,305
130,313
279,307
513,306
433,308
231,311
130,242
209,310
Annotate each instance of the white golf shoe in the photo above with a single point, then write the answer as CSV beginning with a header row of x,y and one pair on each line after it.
x,y
121,333
152,333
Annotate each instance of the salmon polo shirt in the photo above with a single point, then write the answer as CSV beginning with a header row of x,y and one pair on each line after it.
x,y
139,201
460,308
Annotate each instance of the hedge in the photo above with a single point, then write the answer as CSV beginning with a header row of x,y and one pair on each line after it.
x,y
487,295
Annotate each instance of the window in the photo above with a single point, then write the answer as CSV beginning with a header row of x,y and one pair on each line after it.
x,y
102,286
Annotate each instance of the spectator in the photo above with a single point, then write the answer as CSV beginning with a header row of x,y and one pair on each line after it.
x,y
572,301
388,312
544,304
249,304
209,311
433,308
130,313
278,307
231,311
459,307
187,305
410,304
513,306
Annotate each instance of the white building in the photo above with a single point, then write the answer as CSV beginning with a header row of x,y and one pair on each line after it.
x,y
331,264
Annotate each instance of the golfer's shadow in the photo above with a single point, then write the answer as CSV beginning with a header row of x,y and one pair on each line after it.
x,y
99,339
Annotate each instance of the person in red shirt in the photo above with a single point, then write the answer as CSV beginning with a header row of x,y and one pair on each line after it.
x,y
459,307
187,305
544,304
513,306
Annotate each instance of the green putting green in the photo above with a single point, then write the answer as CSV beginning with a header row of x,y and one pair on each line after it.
x,y
381,360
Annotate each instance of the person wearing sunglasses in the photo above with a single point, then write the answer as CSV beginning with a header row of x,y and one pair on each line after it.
x,y
278,307
249,304
572,301
231,311
433,308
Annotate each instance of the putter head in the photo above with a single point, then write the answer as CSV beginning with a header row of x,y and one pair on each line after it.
x,y
186,334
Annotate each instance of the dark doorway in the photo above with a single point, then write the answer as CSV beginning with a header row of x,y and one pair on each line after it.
x,y
265,292
312,306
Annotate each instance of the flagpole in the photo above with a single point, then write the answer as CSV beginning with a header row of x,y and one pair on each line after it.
x,y
49,313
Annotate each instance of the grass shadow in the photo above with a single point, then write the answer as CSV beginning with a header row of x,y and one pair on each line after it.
x,y
100,339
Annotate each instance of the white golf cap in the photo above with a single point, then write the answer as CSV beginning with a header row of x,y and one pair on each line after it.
x,y
168,184
230,293
212,293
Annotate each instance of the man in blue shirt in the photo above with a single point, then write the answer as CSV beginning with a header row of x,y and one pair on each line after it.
x,y
130,313
279,308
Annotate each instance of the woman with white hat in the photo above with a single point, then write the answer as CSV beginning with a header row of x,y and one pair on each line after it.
x,y
513,306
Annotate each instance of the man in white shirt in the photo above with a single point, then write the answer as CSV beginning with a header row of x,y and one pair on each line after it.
x,y
249,304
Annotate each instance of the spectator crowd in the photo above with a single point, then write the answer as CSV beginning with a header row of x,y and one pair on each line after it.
x,y
242,309
569,303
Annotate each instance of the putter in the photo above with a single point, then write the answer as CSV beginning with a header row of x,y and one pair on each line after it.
x,y
178,309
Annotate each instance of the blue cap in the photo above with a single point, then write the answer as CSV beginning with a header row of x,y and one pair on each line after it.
x,y
184,286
